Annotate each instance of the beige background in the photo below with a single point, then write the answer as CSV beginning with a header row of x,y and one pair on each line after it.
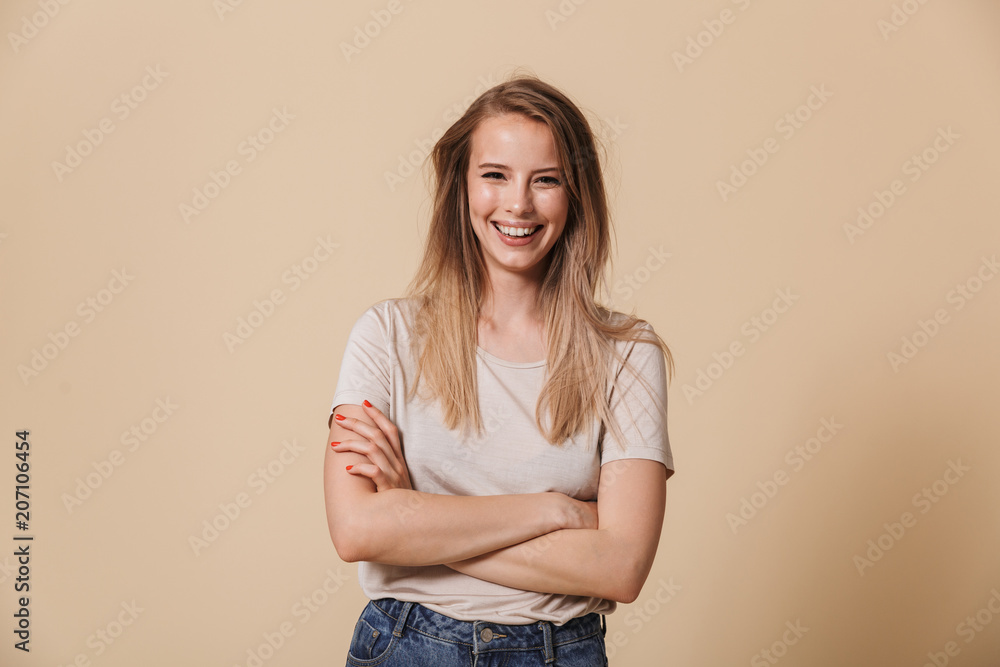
x,y
716,595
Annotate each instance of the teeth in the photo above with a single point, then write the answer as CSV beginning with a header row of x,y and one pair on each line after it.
x,y
516,231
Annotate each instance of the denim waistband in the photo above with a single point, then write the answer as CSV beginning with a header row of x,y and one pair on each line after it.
x,y
484,636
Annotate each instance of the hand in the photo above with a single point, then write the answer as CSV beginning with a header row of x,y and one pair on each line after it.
x,y
380,443
578,513
569,513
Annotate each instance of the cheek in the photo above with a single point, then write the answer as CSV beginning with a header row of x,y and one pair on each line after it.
x,y
557,207
480,200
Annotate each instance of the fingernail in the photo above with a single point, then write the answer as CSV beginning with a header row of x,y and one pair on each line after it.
x,y
334,444
349,467
367,404
339,418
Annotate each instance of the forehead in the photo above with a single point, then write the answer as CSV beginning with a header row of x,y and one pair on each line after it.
x,y
513,136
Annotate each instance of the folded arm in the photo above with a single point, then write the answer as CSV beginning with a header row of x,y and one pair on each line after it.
x,y
611,562
396,525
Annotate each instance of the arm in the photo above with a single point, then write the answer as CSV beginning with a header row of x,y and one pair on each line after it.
x,y
611,562
400,526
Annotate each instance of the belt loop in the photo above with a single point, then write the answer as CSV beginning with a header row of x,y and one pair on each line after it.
x,y
604,625
401,621
550,654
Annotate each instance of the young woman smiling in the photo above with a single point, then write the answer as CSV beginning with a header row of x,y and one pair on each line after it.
x,y
499,444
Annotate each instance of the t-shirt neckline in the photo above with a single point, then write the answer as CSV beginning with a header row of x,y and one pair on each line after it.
x,y
510,364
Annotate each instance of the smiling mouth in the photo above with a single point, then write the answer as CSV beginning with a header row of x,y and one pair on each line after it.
x,y
516,232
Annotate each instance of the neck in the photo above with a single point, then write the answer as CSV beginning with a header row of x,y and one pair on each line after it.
x,y
512,301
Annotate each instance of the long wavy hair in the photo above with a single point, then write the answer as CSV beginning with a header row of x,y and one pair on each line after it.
x,y
452,280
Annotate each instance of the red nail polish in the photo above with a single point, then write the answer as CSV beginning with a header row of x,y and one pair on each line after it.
x,y
367,404
349,467
339,418
334,444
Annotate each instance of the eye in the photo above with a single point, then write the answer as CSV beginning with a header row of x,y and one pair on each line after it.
x,y
549,180
493,175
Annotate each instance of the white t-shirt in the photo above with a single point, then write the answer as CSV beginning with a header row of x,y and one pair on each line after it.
x,y
510,457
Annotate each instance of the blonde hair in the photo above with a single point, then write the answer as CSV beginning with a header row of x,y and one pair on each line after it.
x,y
451,281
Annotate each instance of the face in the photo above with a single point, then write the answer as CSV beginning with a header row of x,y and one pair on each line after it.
x,y
515,186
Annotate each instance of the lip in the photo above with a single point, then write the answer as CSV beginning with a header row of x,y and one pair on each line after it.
x,y
523,240
519,225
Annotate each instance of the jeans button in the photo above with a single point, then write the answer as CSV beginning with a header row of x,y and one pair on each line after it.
x,y
487,634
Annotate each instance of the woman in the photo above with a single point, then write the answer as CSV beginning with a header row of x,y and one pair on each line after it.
x,y
470,502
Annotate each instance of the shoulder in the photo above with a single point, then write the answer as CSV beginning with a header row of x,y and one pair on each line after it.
x,y
390,311
640,330
639,347
617,318
389,320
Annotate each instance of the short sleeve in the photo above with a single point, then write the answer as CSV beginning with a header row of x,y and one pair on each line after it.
x,y
365,371
640,407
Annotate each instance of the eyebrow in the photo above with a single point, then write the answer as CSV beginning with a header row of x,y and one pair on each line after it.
x,y
494,165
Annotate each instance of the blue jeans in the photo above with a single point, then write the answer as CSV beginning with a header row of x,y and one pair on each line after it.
x,y
391,633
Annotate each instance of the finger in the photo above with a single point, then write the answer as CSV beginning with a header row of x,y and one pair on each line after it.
x,y
369,450
372,472
377,433
371,432
386,426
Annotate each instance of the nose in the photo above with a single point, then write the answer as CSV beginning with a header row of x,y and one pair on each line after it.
x,y
519,201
